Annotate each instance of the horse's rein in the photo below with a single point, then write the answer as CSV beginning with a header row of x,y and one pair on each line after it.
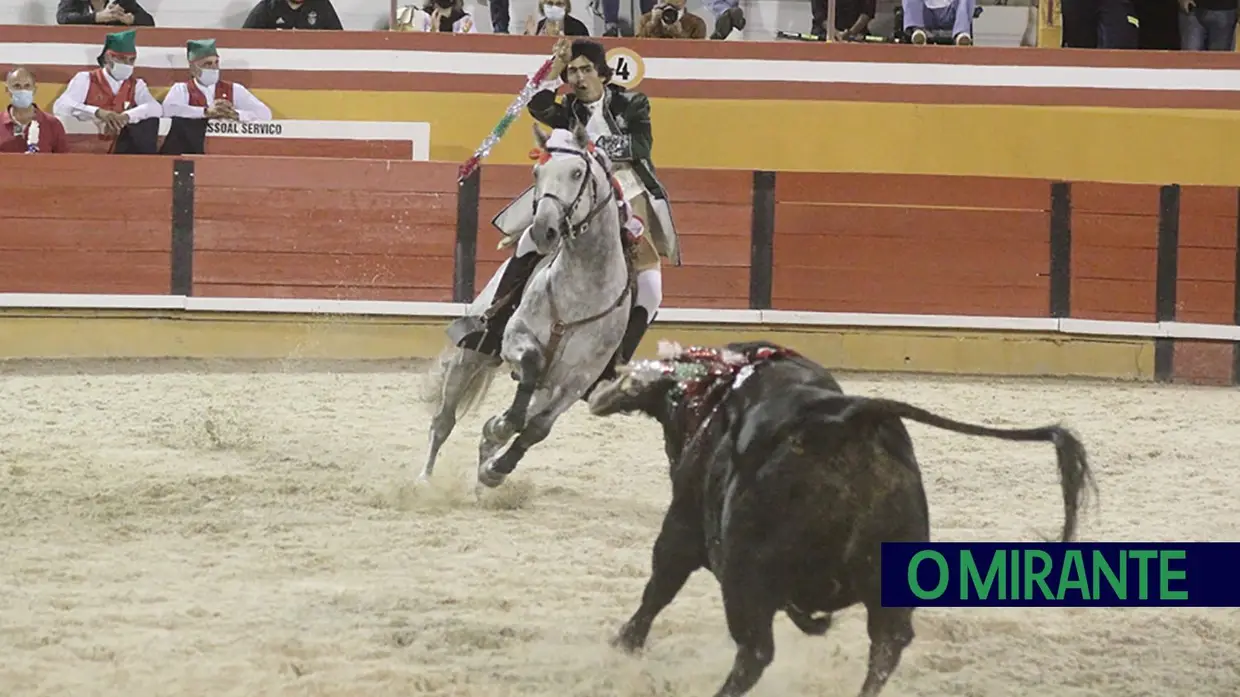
x,y
573,230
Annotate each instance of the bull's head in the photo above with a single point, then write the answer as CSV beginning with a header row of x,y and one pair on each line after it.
x,y
641,386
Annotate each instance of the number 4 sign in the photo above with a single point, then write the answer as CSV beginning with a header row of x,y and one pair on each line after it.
x,y
627,68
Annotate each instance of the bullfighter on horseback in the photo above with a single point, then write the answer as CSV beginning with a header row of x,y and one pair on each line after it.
x,y
618,122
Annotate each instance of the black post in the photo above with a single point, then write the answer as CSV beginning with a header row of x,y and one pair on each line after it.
x,y
1168,275
182,227
465,260
762,241
1061,249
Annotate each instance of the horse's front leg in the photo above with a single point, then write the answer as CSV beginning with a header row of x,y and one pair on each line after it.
x,y
520,351
492,473
528,357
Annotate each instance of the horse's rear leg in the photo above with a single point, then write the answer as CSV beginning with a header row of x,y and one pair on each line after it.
x,y
462,378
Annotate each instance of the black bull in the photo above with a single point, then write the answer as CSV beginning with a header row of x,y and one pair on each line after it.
x,y
785,493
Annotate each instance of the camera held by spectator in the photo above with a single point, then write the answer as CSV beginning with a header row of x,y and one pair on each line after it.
x,y
670,20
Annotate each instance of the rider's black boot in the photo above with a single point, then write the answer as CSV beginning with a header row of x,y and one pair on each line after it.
x,y
484,333
638,324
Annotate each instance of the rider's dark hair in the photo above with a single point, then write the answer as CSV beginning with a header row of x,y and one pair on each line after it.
x,y
593,51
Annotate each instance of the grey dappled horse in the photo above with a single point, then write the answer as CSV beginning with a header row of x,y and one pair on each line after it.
x,y
569,323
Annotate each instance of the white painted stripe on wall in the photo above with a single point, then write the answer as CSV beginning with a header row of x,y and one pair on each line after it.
x,y
771,318
707,69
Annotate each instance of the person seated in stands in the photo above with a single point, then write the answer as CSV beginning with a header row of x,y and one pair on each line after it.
x,y
205,96
293,14
555,20
24,127
852,18
924,16
117,12
119,103
445,16
670,20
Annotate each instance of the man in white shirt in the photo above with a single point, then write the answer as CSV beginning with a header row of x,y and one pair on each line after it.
x,y
204,97
120,104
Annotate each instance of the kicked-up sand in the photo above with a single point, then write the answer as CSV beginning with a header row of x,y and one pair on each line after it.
x,y
170,530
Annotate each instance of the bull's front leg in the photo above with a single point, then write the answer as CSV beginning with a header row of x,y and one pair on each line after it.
x,y
678,552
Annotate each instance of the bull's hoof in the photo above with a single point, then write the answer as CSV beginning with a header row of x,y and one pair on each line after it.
x,y
626,641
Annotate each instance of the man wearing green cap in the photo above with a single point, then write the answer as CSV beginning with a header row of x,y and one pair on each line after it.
x,y
120,104
205,96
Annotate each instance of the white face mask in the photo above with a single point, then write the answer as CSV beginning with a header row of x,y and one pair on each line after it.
x,y
120,71
208,76
553,13
21,98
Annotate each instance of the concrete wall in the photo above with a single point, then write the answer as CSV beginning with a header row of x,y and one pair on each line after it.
x,y
998,25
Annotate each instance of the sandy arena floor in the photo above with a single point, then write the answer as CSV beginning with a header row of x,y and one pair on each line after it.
x,y
173,532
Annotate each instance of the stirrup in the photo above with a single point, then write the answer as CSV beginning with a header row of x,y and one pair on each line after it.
x,y
463,327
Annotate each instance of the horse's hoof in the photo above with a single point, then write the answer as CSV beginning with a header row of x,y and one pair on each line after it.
x,y
498,429
490,478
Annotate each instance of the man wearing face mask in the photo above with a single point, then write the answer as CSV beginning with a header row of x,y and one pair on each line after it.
x,y
293,14
618,121
203,97
16,131
121,106
670,20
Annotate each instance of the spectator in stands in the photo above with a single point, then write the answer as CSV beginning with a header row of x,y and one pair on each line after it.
x,y
293,14
1208,25
923,16
115,12
670,20
729,18
556,20
1099,24
120,104
611,14
446,16
17,130
852,18
203,97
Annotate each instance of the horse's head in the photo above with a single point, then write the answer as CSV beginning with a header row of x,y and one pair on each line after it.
x,y
571,186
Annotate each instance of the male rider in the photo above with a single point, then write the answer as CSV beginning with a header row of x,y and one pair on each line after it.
x,y
618,121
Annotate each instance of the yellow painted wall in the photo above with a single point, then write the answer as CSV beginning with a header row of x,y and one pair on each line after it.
x,y
1074,143
43,334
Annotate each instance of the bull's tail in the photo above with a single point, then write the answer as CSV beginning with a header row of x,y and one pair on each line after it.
x,y
1074,472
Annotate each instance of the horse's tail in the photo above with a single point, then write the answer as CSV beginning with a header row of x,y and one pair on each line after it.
x,y
433,384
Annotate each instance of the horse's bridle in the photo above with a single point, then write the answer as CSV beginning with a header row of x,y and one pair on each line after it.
x,y
572,230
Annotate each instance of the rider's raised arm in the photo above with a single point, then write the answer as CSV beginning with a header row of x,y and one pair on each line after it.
x,y
545,109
